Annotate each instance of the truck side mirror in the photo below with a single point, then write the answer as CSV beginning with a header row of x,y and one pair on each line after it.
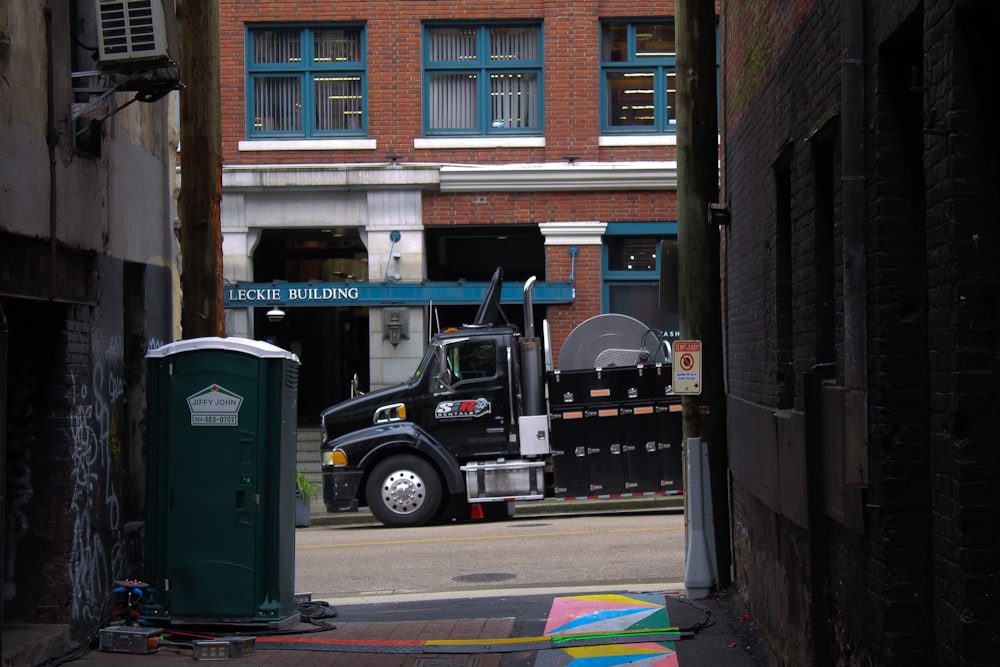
x,y
441,378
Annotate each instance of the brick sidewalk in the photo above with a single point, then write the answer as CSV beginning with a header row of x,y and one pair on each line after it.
x,y
404,655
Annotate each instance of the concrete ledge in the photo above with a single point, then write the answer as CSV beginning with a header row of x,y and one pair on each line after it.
x,y
30,644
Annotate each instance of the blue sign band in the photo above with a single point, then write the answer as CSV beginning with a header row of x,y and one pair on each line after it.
x,y
315,293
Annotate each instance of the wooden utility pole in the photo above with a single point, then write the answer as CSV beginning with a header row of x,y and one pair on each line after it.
x,y
202,312
698,249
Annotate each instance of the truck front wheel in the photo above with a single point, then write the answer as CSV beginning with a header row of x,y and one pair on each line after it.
x,y
403,491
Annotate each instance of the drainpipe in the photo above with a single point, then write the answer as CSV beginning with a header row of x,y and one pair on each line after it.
x,y
51,139
852,81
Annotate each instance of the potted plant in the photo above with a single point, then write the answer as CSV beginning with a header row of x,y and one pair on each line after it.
x,y
305,489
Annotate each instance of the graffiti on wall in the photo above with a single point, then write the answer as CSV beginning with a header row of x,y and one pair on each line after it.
x,y
97,555
71,445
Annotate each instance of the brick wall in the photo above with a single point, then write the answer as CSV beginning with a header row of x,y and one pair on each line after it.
x,y
572,104
572,115
961,158
505,208
911,580
564,318
776,119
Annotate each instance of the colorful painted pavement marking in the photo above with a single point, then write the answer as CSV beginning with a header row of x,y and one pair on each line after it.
x,y
601,614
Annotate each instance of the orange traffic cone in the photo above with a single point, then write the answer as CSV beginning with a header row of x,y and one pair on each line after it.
x,y
477,511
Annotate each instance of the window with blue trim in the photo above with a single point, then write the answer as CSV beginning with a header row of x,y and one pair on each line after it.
x,y
638,80
306,81
639,267
482,79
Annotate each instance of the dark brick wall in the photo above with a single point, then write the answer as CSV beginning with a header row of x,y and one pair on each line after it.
x,y
794,103
913,578
767,547
36,581
962,153
75,448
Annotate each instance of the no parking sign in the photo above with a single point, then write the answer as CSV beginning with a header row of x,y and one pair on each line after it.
x,y
687,367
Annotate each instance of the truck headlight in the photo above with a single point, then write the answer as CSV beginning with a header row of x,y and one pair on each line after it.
x,y
334,457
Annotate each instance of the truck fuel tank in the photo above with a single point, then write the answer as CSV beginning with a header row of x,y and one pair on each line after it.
x,y
504,480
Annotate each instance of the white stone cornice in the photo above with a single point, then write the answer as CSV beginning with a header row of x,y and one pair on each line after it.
x,y
559,176
529,177
573,233
328,177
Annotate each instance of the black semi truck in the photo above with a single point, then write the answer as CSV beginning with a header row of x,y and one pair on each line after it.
x,y
485,421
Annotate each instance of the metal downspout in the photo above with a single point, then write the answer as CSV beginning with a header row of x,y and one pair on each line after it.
x,y
52,140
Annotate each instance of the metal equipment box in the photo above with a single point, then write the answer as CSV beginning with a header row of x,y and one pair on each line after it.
x,y
241,646
129,639
608,385
570,469
510,480
606,430
210,649
615,431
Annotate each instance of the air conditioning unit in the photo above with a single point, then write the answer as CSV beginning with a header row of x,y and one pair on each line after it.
x,y
134,33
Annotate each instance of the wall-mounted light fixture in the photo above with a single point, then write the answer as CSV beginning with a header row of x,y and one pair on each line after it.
x,y
395,324
275,314
719,214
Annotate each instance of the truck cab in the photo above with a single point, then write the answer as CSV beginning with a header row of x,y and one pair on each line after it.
x,y
399,450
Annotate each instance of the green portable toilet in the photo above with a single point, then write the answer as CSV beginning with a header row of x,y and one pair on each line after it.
x,y
220,508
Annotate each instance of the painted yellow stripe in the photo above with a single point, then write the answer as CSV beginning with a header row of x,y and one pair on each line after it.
x,y
486,537
611,650
476,642
616,598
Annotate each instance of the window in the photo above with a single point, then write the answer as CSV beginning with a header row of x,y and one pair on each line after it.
x,y
481,80
638,89
640,274
306,82
464,359
473,360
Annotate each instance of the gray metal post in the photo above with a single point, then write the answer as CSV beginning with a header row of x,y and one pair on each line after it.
x,y
700,570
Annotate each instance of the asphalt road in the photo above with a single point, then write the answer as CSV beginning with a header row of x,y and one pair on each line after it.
x,y
346,562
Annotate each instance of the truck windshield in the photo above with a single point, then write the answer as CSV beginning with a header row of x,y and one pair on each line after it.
x,y
428,364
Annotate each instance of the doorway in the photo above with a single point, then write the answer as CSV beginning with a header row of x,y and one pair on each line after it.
x,y
331,342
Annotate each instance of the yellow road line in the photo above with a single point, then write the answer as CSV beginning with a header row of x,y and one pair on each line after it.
x,y
485,537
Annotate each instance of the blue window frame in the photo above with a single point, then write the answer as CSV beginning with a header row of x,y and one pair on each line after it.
x,y
306,81
638,82
482,79
639,274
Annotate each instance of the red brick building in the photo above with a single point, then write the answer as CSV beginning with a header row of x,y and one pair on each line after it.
x,y
384,144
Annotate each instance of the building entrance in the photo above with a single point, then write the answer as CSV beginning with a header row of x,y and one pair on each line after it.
x,y
331,342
